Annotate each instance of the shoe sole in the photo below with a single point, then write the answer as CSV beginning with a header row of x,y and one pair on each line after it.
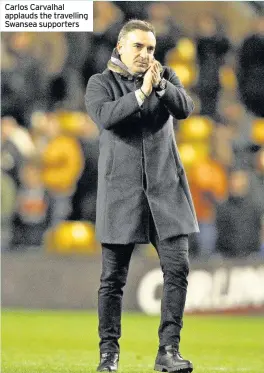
x,y
163,368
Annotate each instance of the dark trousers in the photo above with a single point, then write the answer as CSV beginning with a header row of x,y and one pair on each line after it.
x,y
173,255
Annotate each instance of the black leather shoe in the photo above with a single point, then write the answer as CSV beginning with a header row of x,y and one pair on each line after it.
x,y
170,360
108,362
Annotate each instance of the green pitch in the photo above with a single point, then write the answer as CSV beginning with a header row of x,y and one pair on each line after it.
x,y
66,342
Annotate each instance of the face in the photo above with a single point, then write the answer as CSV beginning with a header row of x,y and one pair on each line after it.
x,y
136,50
52,128
238,183
30,176
207,25
8,124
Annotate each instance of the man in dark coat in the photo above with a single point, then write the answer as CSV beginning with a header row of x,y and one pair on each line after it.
x,y
238,219
251,69
143,194
212,47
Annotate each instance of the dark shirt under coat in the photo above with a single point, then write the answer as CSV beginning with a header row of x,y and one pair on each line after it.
x,y
139,168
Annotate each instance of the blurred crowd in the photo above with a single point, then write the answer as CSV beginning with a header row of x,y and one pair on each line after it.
x,y
49,146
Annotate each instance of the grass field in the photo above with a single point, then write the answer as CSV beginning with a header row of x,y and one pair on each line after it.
x,y
66,342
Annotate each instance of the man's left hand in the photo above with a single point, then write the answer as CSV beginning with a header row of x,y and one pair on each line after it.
x,y
155,73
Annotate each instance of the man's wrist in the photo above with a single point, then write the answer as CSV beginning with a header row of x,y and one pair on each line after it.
x,y
145,91
161,86
144,94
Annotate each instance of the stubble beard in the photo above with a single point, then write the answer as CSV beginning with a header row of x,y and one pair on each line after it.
x,y
141,67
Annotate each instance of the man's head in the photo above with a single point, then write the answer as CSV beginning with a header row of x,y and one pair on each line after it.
x,y
8,127
238,183
136,45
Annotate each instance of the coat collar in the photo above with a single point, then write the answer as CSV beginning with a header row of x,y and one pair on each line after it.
x,y
116,65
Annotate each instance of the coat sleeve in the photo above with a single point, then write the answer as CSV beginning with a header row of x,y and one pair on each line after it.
x,y
175,98
100,106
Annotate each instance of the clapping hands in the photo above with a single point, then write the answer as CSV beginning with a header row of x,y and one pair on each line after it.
x,y
151,78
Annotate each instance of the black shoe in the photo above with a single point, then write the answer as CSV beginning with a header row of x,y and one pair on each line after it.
x,y
170,360
108,362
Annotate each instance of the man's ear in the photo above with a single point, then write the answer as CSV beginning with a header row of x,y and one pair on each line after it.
x,y
119,47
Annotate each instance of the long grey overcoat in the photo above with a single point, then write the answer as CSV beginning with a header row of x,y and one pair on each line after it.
x,y
137,141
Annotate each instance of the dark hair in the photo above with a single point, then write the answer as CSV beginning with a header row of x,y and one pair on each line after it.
x,y
135,24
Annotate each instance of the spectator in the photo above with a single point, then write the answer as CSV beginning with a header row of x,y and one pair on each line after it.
x,y
257,178
39,124
208,183
8,200
22,85
79,48
212,46
17,146
238,219
51,52
32,214
66,90
84,196
238,122
167,33
108,20
251,69
62,162
80,52
223,144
